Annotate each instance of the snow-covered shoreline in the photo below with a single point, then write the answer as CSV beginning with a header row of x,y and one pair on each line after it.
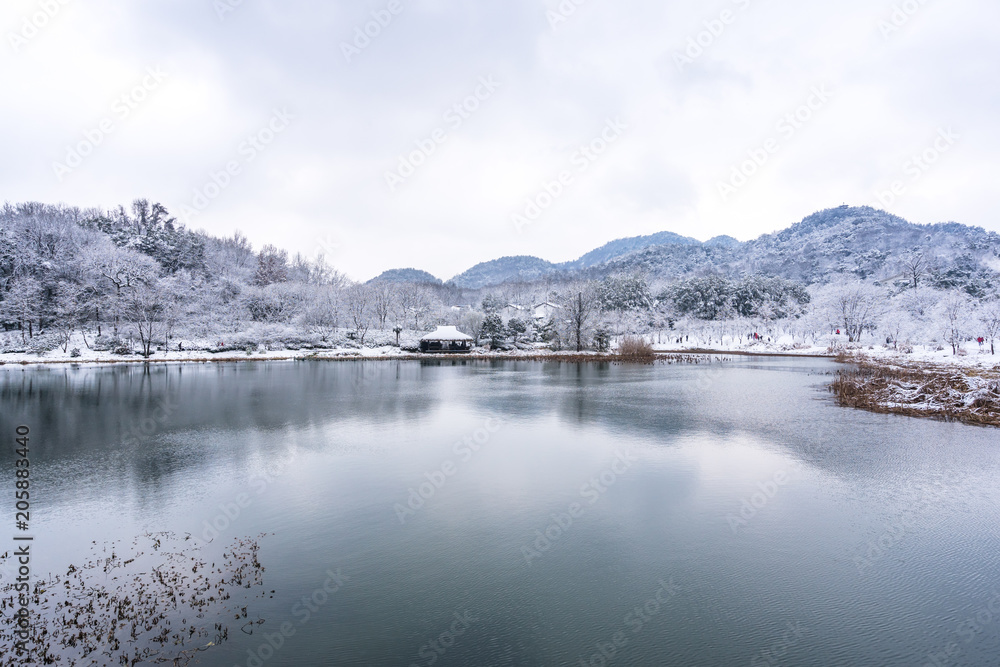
x,y
972,359
946,392
970,356
922,382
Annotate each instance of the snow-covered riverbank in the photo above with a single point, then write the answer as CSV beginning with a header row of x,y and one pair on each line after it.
x,y
947,392
970,357
925,381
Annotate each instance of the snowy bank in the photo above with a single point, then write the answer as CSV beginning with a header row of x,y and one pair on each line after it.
x,y
950,392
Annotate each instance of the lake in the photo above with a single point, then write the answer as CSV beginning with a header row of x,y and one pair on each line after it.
x,y
463,512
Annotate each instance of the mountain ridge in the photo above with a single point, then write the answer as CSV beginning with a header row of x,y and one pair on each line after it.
x,y
861,241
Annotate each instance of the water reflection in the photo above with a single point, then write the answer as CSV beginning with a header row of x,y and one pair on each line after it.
x,y
126,448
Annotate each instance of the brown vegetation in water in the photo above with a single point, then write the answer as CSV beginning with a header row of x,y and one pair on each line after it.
x,y
156,600
635,348
968,396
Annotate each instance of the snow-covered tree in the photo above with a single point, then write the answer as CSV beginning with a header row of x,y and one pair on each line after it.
x,y
705,298
955,318
412,303
493,303
145,311
854,306
323,313
516,328
914,266
383,299
358,300
20,305
277,302
471,323
272,266
493,329
989,319
67,311
121,270
580,306
623,293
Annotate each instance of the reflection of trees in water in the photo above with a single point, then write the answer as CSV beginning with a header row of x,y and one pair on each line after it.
x,y
780,404
149,422
578,393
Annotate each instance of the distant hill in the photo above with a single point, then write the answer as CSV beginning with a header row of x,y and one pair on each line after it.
x,y
856,241
406,276
723,242
506,269
620,247
865,242
862,242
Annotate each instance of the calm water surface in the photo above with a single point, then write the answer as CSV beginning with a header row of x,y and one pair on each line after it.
x,y
702,514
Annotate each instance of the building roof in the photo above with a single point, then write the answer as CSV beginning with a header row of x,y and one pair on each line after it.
x,y
447,333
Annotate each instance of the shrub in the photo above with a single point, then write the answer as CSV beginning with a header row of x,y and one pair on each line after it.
x,y
294,341
75,352
13,345
237,343
112,345
602,340
635,348
41,344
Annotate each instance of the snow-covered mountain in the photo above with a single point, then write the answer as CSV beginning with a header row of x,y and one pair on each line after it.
x,y
526,268
861,242
858,241
522,268
406,276
621,247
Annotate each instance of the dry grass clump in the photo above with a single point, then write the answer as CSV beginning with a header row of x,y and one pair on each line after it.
x,y
635,348
950,395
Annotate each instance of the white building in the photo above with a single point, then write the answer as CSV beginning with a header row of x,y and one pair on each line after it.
x,y
545,310
446,340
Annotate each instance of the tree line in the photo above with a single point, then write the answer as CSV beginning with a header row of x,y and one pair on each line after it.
x,y
134,280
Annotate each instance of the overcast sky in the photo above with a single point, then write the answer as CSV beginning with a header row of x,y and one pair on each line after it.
x,y
104,102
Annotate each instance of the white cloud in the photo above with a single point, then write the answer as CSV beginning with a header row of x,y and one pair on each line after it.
x,y
324,177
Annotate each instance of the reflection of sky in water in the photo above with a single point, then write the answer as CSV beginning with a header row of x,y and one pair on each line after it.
x,y
320,455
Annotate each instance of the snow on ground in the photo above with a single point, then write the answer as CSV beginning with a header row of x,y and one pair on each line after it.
x,y
197,350
203,350
970,355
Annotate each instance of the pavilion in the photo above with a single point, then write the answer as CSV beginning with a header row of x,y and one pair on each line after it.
x,y
446,340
